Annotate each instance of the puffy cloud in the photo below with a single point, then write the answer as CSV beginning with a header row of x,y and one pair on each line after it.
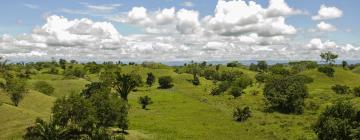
x,y
234,18
323,26
138,15
237,30
280,8
187,21
318,44
345,51
327,13
165,16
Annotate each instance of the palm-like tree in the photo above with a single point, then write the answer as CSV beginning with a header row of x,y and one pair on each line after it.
x,y
2,64
124,84
46,131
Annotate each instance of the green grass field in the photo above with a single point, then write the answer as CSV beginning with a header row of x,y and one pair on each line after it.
x,y
187,111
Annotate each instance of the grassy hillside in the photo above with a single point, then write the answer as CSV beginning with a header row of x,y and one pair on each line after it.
x,y
187,111
14,120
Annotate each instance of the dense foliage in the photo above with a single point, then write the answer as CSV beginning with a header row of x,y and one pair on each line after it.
x,y
339,121
329,71
83,117
165,82
286,94
15,87
341,89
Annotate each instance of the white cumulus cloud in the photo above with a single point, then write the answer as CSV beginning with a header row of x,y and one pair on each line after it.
x,y
323,26
327,12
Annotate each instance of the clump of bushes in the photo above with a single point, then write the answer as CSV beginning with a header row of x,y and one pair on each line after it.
x,y
74,73
242,114
341,89
261,77
286,94
44,87
165,82
339,121
328,70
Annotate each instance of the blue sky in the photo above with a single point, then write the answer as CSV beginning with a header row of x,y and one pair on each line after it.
x,y
23,16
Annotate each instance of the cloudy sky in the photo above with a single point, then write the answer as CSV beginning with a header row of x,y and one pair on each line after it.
x,y
174,30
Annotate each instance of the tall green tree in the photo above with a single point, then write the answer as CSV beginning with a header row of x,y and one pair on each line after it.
x,y
150,79
344,64
329,57
124,84
196,80
16,88
62,63
262,65
2,64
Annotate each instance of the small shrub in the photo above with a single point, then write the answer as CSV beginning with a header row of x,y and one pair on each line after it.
x,y
224,86
215,91
44,87
165,82
341,89
242,114
196,81
236,91
329,71
144,101
356,91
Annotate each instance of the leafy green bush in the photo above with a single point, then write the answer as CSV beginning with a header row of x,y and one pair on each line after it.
x,y
341,89
215,91
44,87
74,72
279,69
286,94
196,81
261,77
339,121
165,82
236,91
243,81
329,71
242,114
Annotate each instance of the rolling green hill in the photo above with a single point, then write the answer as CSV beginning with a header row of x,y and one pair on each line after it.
x,y
187,111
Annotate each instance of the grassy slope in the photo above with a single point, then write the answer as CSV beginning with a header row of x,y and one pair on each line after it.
x,y
14,120
188,112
